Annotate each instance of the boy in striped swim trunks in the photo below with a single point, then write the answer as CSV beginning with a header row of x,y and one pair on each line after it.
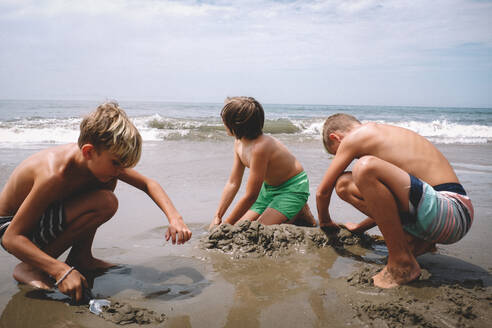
x,y
57,198
402,182
277,188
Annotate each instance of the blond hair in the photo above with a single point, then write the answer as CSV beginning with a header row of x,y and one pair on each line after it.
x,y
108,128
337,123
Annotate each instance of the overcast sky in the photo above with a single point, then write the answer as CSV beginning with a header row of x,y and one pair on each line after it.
x,y
359,52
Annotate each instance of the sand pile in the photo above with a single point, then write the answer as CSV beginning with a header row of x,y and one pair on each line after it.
x,y
122,314
447,304
254,239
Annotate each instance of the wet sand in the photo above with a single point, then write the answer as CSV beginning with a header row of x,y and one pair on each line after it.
x,y
325,283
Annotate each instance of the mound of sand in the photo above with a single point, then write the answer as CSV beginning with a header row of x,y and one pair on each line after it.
x,y
254,239
123,313
448,304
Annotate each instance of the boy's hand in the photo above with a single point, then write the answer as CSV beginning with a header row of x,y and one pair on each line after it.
x,y
73,285
178,231
329,228
215,222
352,227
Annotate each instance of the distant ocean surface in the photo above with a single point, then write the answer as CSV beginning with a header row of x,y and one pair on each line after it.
x,y
24,123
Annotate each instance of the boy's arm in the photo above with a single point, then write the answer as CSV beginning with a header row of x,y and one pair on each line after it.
x,y
230,190
344,156
17,242
177,229
258,167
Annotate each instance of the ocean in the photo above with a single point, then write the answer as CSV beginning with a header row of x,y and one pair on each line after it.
x,y
187,151
30,122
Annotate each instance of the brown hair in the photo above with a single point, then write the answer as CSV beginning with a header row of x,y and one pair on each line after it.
x,y
109,128
337,122
244,116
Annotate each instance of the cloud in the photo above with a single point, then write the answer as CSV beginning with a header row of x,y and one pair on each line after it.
x,y
209,41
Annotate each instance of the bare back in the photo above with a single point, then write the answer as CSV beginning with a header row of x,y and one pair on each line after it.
x,y
281,164
57,164
403,148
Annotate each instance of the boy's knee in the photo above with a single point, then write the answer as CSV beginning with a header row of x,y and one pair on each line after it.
x,y
365,166
108,204
342,186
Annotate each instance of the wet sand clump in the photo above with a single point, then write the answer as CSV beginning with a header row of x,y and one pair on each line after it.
x,y
254,239
448,304
123,313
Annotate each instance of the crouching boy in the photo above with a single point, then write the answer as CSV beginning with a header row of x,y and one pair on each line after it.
x,y
58,198
278,188
402,182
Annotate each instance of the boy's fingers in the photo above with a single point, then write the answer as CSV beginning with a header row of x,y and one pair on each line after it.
x,y
168,235
173,234
181,237
78,293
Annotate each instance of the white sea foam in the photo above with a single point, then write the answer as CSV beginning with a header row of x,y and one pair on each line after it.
x,y
156,127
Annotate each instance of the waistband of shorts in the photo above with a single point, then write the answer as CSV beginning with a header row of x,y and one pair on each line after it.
x,y
452,187
295,178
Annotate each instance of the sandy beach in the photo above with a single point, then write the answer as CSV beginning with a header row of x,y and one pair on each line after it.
x,y
303,285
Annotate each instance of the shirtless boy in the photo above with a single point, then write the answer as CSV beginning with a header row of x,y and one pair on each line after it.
x,y
58,197
277,188
402,183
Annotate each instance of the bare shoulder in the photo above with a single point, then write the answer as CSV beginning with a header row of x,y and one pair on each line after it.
x,y
364,137
264,144
43,171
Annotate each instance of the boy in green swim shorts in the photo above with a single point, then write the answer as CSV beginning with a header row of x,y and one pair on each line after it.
x,y
278,188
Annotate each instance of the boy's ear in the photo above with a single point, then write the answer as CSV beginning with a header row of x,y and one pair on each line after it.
x,y
334,137
87,150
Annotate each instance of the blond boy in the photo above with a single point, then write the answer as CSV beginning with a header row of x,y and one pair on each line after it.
x,y
58,198
402,183
277,188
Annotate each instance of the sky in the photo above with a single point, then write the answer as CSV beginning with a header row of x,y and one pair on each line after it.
x,y
333,52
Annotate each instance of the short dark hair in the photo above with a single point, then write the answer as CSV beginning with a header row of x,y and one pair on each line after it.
x,y
244,116
337,122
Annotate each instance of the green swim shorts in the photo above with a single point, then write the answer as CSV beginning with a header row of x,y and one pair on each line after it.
x,y
287,198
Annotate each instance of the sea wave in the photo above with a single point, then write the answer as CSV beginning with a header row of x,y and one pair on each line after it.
x,y
157,128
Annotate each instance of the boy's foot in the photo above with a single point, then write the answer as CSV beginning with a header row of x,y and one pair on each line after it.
x,y
384,279
304,218
419,247
27,274
90,264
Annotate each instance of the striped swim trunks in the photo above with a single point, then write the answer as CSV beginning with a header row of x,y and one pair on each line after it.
x,y
51,225
440,214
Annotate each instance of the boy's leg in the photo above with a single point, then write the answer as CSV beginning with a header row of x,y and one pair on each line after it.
x,y
304,218
272,216
83,215
347,190
250,215
384,191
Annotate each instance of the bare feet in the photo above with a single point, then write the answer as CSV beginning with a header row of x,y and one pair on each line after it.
x,y
399,276
419,246
304,218
89,264
27,274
